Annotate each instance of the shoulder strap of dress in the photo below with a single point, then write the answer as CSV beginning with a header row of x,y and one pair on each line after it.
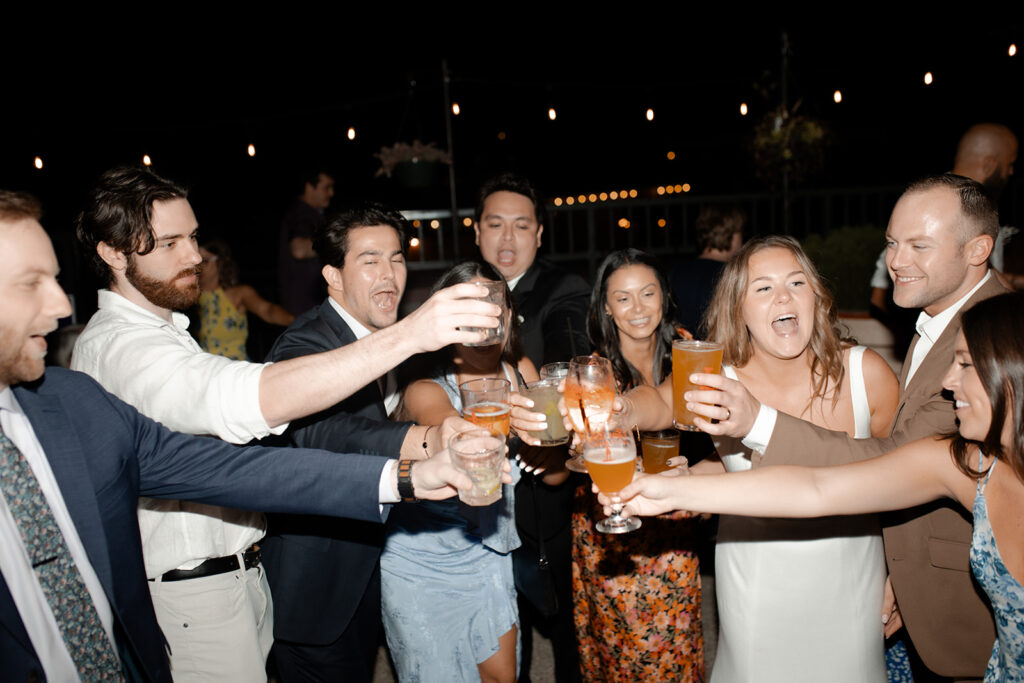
x,y
859,394
730,372
983,482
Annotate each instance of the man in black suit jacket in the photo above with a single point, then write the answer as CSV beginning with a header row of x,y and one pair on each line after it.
x,y
552,305
93,456
323,572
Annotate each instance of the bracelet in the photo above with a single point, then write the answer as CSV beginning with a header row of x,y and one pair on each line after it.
x,y
425,435
405,488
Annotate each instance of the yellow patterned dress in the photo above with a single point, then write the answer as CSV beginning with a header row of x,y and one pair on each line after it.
x,y
223,329
637,598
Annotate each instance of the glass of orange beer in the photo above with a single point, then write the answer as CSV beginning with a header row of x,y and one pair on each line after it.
x,y
688,357
485,404
611,461
657,447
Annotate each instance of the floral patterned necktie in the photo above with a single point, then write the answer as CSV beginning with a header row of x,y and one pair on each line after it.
x,y
62,583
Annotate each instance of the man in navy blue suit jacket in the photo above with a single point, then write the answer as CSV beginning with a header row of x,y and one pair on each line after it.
x,y
103,455
324,572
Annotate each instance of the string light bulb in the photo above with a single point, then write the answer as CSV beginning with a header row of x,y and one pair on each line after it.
x,y
552,114
837,96
1013,49
351,133
456,110
928,78
146,160
252,150
650,114
743,108
38,163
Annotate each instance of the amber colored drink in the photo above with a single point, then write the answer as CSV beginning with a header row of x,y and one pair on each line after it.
x,y
611,468
689,357
496,417
657,447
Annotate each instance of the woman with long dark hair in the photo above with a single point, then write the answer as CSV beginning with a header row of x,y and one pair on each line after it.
x,y
986,379
637,595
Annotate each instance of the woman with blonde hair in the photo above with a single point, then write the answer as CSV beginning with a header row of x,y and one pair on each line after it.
x,y
799,597
986,379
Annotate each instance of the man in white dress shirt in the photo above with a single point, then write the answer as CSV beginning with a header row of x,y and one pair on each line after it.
x,y
208,588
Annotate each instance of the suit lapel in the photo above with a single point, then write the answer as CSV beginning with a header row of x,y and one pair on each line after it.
x,y
67,457
338,334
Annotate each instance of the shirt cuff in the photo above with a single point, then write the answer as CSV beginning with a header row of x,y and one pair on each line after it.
x,y
761,433
386,487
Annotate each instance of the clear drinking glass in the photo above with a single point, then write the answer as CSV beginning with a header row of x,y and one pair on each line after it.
x,y
479,453
589,393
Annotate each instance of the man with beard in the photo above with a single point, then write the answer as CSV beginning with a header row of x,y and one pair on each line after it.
x,y
202,562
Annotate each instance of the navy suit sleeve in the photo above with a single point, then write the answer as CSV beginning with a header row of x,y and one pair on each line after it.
x,y
207,470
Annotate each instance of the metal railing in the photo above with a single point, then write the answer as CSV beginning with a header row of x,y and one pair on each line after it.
x,y
663,225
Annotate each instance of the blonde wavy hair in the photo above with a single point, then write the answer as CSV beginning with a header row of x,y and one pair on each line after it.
x,y
725,324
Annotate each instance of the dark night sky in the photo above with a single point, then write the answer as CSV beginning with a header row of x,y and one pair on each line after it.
x,y
193,95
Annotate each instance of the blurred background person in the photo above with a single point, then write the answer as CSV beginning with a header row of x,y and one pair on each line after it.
x,y
719,235
224,302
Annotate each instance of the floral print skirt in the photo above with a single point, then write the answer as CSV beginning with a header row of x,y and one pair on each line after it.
x,y
637,598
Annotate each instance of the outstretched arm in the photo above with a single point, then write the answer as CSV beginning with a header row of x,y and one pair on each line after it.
x,y
267,311
917,473
302,386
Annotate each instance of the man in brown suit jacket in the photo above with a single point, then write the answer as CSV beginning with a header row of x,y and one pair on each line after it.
x,y
938,242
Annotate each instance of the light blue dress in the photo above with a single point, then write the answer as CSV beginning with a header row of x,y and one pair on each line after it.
x,y
1004,592
446,581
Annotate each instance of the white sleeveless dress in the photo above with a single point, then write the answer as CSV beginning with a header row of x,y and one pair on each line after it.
x,y
801,600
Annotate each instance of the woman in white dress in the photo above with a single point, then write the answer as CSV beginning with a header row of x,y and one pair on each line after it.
x,y
798,600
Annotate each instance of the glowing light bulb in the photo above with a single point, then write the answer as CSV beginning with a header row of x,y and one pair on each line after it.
x,y
928,78
467,221
456,109
632,194
251,150
650,114
38,162
613,194
1013,49
603,196
552,114
146,160
837,96
351,133
558,201
661,189
582,199
435,224
743,108
662,222
671,155
686,187
569,201
592,197
414,242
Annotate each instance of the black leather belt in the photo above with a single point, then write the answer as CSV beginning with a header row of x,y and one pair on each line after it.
x,y
215,565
